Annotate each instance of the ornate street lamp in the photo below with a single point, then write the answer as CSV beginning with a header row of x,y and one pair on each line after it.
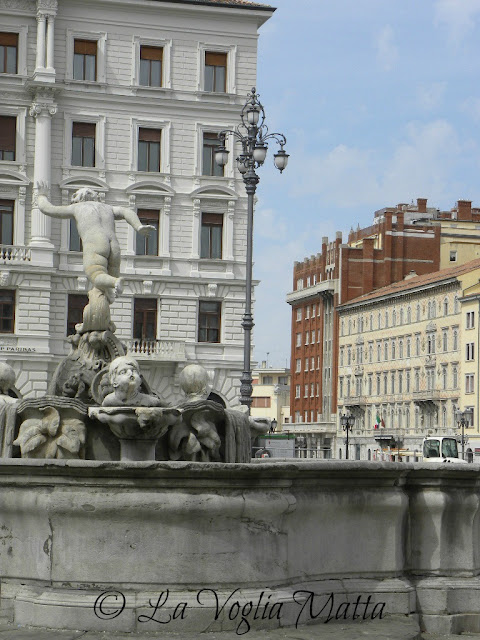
x,y
464,419
347,423
252,133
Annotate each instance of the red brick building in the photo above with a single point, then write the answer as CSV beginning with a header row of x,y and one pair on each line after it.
x,y
404,239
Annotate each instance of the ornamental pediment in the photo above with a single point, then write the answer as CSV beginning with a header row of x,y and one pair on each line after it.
x,y
151,188
431,326
214,191
77,182
7,176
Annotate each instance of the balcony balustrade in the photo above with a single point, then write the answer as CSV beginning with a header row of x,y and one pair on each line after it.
x,y
166,350
13,254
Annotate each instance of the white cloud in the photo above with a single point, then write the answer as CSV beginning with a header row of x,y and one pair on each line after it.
x,y
458,16
431,95
387,52
420,164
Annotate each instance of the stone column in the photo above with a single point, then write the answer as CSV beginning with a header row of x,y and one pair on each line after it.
x,y
50,43
42,109
41,20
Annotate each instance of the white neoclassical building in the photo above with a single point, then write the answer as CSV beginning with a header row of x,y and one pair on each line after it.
x,y
126,98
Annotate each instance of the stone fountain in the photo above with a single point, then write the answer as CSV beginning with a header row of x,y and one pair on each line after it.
x,y
118,512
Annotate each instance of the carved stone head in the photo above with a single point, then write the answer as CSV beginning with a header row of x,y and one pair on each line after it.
x,y
124,374
7,377
194,381
85,194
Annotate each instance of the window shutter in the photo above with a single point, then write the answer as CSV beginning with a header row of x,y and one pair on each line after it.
x,y
8,126
149,135
149,216
212,218
83,129
151,53
9,39
85,47
215,59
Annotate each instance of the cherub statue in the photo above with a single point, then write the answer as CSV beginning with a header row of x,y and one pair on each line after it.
x,y
124,374
96,227
7,380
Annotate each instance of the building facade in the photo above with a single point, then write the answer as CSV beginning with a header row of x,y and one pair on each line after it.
x,y
406,239
407,361
127,100
271,395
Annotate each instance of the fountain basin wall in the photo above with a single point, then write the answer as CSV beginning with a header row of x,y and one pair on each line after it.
x,y
158,533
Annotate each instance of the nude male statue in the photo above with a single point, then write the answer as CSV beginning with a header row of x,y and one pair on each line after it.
x,y
96,227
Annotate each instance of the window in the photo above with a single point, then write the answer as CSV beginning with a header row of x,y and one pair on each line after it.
x,y
394,349
314,308
453,256
431,343
209,321
312,390
370,384
407,382
379,352
445,307
400,382
340,387
306,364
299,340
308,281
149,150
307,337
299,284
76,304
417,345
6,222
393,381
305,395
470,321
7,311
8,133
445,340
455,377
400,349
83,144
298,365
261,402
85,60
148,245
297,392
409,347
299,314
74,242
470,351
370,352
8,52
385,348
419,313
211,143
469,382
215,72
455,340
211,238
417,380
151,62
312,364
385,384
378,384
444,378
145,319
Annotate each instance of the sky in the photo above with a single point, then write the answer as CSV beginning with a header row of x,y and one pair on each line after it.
x,y
380,103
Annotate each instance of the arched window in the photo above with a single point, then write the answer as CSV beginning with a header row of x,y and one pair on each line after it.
x,y
418,313
445,307
455,304
409,315
401,315
394,318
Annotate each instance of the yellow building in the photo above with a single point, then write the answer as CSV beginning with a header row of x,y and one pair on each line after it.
x,y
271,395
407,361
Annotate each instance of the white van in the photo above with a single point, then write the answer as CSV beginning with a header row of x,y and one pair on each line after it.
x,y
441,449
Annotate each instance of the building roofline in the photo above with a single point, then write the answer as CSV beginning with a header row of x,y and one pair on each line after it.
x,y
232,4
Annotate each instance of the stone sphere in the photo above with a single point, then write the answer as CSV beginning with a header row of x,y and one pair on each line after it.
x,y
194,380
7,377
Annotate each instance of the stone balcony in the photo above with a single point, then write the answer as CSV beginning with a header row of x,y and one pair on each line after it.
x,y
12,254
314,291
160,350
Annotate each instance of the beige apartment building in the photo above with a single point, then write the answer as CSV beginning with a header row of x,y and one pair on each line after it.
x,y
407,359
271,395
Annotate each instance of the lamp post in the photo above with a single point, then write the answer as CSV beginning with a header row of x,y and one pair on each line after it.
x,y
252,133
347,423
463,418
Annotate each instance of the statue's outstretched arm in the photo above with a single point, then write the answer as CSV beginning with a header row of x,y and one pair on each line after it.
x,y
133,220
50,209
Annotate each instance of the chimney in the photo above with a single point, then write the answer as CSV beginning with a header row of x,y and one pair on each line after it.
x,y
422,205
464,210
